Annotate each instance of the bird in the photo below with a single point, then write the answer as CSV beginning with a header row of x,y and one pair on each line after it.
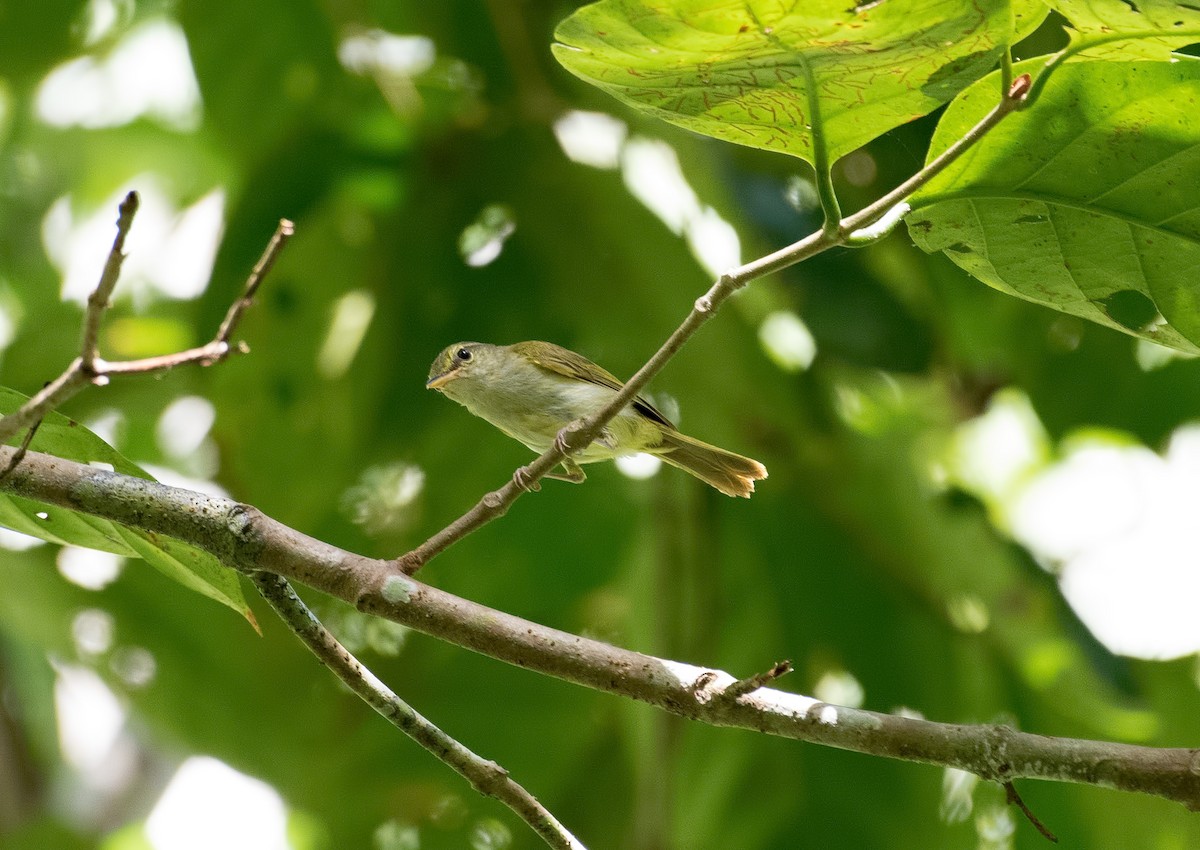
x,y
531,390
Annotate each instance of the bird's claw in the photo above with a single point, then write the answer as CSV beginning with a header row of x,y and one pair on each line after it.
x,y
524,479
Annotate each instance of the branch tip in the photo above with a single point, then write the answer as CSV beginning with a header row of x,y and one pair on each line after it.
x,y
128,207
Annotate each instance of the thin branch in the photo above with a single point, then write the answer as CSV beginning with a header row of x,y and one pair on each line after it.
x,y
868,215
88,368
19,454
485,775
266,262
578,435
1014,799
242,537
219,347
46,399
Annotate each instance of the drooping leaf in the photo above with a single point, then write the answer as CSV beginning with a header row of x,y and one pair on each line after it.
x,y
1086,201
807,79
65,438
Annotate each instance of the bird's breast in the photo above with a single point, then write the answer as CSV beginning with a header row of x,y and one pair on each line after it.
x,y
533,406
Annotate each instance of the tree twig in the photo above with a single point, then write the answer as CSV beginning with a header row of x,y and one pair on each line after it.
x,y
21,450
283,232
485,775
759,680
242,537
98,301
578,435
89,368
1014,799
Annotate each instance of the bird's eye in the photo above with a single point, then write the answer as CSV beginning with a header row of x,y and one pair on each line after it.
x,y
463,354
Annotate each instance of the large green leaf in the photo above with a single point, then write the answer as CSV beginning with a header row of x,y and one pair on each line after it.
x,y
1085,202
67,439
805,79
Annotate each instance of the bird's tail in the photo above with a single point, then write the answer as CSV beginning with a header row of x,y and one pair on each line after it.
x,y
730,473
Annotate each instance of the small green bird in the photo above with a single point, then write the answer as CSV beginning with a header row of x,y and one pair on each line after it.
x,y
531,390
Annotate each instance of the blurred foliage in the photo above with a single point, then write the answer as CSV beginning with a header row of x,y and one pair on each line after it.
x,y
851,558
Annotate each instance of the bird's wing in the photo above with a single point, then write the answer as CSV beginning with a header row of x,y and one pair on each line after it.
x,y
563,361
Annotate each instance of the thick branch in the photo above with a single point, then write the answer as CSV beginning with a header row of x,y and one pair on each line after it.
x,y
579,435
244,538
485,775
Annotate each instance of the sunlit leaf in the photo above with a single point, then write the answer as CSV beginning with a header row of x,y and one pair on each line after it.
x,y
805,79
1086,202
1120,28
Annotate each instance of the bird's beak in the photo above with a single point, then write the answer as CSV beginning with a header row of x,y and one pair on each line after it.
x,y
439,381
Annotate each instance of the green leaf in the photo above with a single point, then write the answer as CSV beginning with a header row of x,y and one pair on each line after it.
x,y
1148,29
1086,201
816,80
65,438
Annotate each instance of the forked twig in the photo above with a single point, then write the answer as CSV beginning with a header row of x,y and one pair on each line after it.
x,y
88,368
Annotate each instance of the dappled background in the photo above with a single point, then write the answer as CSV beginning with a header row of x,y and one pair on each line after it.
x,y
978,509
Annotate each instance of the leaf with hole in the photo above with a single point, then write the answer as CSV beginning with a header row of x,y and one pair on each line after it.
x,y
1085,202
